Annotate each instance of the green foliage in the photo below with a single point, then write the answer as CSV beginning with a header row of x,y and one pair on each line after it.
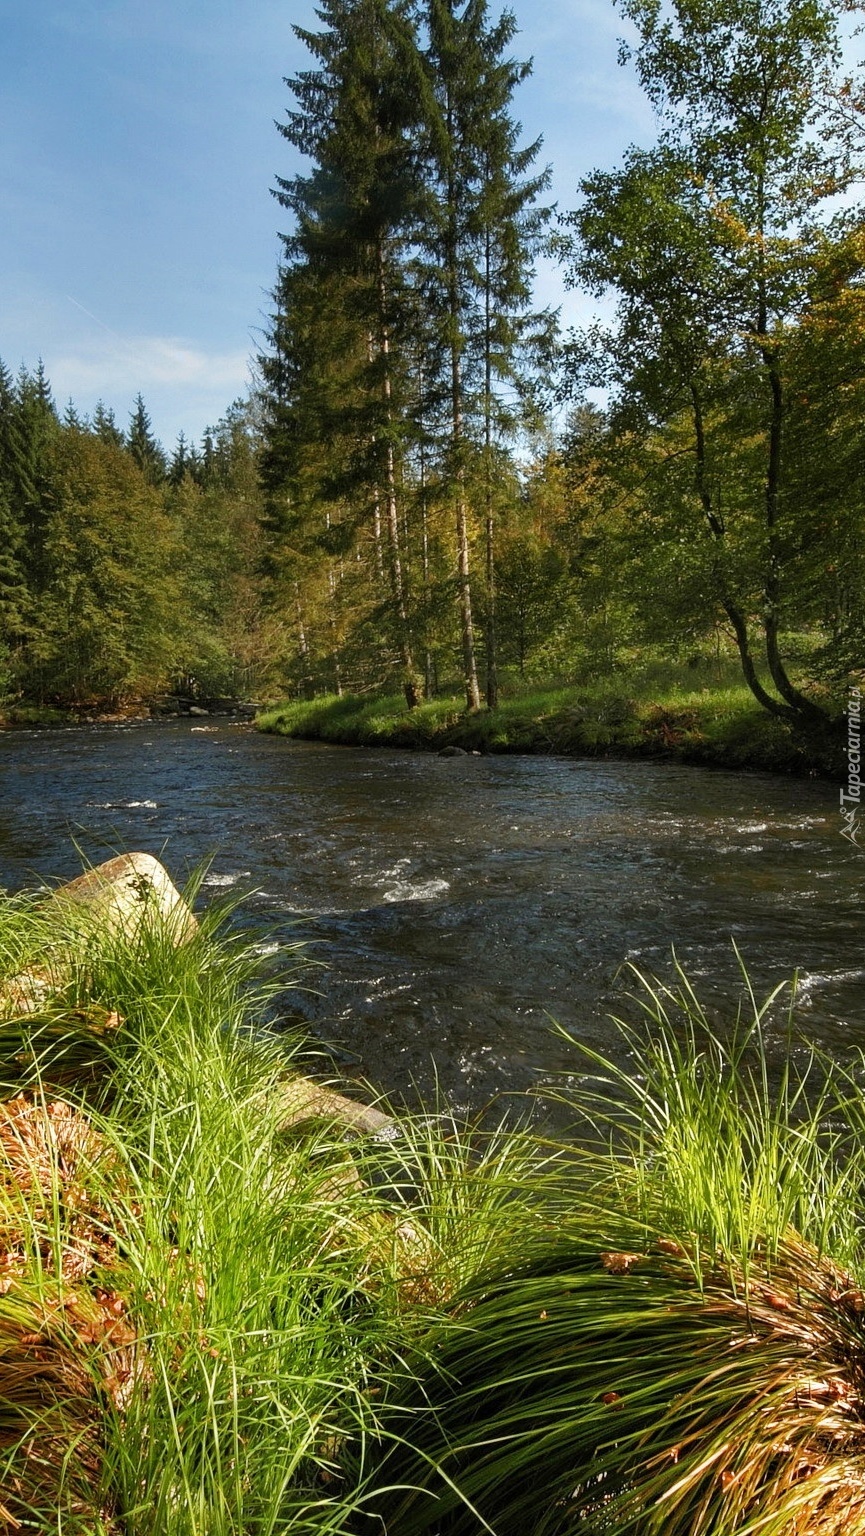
x,y
716,245
142,445
682,1354
106,606
115,582
402,316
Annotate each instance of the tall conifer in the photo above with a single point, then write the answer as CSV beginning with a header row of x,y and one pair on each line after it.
x,y
143,446
482,223
335,369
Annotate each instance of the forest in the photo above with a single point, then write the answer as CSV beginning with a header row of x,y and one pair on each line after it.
x,y
430,488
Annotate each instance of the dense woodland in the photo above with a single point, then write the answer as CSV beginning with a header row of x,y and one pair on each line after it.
x,y
431,488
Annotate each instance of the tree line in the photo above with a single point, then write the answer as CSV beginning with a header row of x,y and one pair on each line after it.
x,y
124,571
395,505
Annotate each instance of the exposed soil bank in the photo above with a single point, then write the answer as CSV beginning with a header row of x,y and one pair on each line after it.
x,y
723,729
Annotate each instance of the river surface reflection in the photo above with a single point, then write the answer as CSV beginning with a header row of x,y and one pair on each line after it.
x,y
456,904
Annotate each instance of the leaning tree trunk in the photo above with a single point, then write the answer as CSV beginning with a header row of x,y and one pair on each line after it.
x,y
809,712
734,613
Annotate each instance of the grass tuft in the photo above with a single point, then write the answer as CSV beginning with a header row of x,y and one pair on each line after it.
x,y
684,1352
217,1323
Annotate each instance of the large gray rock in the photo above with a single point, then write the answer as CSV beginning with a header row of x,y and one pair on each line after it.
x,y
301,1100
116,895
127,889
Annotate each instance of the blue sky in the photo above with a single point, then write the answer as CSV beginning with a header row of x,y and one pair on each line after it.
x,y
138,235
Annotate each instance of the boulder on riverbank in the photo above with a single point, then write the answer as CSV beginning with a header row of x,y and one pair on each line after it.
x,y
125,890
133,888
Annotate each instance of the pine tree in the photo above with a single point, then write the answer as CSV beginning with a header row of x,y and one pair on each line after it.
x,y
105,426
478,240
143,446
510,226
336,371
180,460
34,430
14,597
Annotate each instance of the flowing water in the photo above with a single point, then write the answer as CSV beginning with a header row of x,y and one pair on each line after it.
x,y
455,905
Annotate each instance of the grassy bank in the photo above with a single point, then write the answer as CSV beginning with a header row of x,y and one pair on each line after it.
x,y
214,1322
34,717
660,713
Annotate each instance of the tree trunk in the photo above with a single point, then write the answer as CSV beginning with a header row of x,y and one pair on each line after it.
x,y
717,530
798,704
429,682
490,636
411,685
307,681
797,701
470,671
376,502
332,624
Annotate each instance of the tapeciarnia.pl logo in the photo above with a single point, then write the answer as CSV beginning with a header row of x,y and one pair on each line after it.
x,y
852,795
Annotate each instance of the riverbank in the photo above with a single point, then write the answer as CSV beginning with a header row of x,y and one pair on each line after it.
x,y
709,726
211,1322
28,716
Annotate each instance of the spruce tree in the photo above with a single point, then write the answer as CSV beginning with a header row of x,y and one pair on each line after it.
x,y
180,460
481,224
105,426
34,430
336,368
14,597
510,225
143,446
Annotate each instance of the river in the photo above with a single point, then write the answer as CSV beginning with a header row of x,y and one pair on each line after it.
x,y
455,905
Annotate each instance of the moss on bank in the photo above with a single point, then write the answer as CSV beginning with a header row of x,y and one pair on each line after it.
x,y
720,727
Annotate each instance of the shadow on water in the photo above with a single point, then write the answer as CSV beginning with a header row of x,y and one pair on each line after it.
x,y
454,905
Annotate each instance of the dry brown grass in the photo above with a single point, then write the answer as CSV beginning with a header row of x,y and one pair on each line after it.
x,y
67,1350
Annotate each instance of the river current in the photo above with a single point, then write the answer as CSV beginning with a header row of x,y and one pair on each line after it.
x,y
455,906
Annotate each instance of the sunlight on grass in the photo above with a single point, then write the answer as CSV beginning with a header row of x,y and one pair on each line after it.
x,y
656,710
213,1322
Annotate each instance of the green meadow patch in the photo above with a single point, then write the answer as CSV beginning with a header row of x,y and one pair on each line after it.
x,y
661,713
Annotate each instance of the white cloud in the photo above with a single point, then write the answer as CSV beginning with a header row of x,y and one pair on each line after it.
x,y
128,364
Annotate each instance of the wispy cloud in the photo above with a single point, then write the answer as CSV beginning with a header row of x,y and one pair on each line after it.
x,y
110,364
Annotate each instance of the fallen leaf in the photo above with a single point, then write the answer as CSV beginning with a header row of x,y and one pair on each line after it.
x,y
620,1263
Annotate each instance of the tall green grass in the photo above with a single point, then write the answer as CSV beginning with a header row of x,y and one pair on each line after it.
x,y
685,1353
266,1278
214,1323
730,1134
